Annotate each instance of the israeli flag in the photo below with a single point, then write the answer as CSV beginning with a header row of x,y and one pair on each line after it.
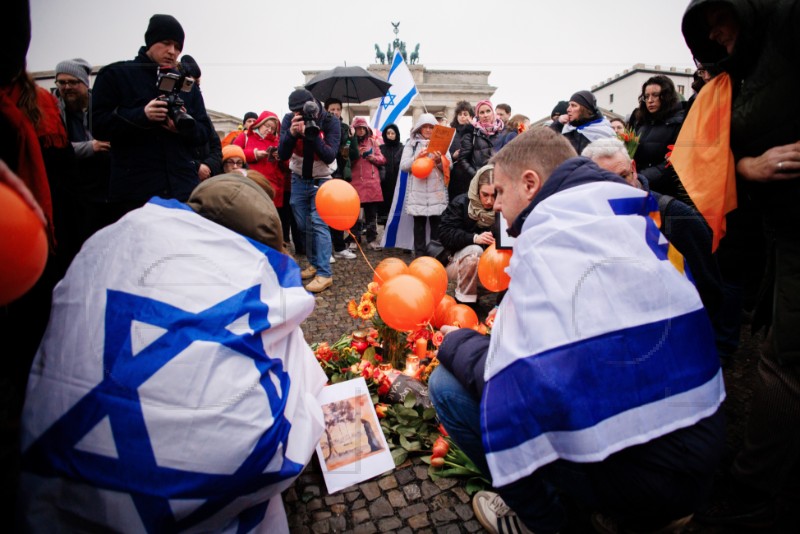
x,y
399,231
399,97
173,389
600,343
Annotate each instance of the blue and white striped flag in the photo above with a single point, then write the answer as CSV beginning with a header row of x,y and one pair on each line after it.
x,y
399,97
173,389
600,343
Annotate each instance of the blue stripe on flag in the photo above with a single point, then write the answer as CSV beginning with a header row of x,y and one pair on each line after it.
x,y
401,107
576,386
394,223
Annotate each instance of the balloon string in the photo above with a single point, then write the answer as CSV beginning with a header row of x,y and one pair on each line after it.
x,y
361,250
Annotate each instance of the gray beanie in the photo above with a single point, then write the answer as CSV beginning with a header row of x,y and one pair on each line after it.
x,y
77,67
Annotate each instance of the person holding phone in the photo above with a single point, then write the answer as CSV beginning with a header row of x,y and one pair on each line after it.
x,y
366,178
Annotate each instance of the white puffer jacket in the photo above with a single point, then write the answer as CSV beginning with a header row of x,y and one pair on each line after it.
x,y
424,197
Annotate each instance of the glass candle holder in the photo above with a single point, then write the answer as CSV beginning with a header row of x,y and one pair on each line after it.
x,y
412,365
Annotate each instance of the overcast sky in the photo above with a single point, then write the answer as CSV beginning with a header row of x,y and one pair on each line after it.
x,y
252,52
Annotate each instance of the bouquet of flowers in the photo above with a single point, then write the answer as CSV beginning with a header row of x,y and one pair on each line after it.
x,y
631,140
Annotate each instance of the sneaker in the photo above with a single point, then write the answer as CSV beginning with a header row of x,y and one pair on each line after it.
x,y
608,525
374,245
319,283
346,254
757,514
308,272
495,516
333,260
353,246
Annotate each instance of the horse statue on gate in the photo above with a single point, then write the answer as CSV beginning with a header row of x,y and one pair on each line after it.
x,y
414,59
379,55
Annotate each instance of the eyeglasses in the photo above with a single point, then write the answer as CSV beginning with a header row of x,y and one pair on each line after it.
x,y
233,162
653,96
67,83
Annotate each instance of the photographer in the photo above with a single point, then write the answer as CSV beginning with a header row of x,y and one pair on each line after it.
x,y
309,139
152,124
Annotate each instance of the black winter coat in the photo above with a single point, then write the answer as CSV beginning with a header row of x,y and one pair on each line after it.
x,y
389,172
146,158
655,135
476,149
456,229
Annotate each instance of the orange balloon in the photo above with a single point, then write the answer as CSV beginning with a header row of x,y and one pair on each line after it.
x,y
389,268
440,314
462,316
338,204
422,167
23,246
491,268
405,302
433,273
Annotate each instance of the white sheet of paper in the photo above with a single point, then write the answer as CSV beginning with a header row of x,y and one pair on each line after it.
x,y
352,448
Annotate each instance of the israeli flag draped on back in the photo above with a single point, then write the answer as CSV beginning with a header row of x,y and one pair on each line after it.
x,y
399,97
600,343
173,389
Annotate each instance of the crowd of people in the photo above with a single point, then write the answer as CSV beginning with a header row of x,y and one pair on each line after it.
x,y
616,274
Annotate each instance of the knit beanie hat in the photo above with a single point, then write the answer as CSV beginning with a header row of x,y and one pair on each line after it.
x,y
560,109
77,67
232,151
249,115
163,28
298,98
585,99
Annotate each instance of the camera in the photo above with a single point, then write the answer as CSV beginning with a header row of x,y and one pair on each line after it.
x,y
310,113
171,84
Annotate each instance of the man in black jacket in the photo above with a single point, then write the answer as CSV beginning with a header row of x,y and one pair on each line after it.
x,y
150,155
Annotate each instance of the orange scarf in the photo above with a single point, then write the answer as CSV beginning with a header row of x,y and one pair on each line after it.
x,y
703,158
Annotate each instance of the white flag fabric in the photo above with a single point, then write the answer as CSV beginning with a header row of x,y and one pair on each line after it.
x,y
173,389
600,343
399,97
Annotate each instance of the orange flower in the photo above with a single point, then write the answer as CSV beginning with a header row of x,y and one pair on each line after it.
x,y
373,288
367,296
323,351
352,309
380,409
437,338
366,310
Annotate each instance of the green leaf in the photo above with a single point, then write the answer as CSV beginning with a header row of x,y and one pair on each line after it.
x,y
426,459
410,445
399,456
406,431
429,413
369,355
475,485
410,400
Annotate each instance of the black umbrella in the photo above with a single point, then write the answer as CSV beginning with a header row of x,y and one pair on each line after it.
x,y
348,84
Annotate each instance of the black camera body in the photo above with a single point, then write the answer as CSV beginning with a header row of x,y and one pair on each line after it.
x,y
171,84
310,114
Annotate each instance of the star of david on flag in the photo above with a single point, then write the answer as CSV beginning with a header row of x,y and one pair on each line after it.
x,y
399,96
179,413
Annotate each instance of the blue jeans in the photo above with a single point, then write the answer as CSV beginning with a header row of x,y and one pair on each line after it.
x,y
644,486
318,237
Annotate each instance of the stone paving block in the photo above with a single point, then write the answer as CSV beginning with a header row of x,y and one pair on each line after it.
x,y
443,516
314,504
338,509
405,530
445,483
322,514
321,527
473,526
414,509
359,516
412,492
360,503
366,528
381,508
338,523
334,499
387,483
352,495
390,523
461,494
418,521
464,511
429,489
448,529
371,490
396,499
421,472
404,476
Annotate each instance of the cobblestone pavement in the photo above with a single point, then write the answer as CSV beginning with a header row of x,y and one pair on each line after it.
x,y
405,500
